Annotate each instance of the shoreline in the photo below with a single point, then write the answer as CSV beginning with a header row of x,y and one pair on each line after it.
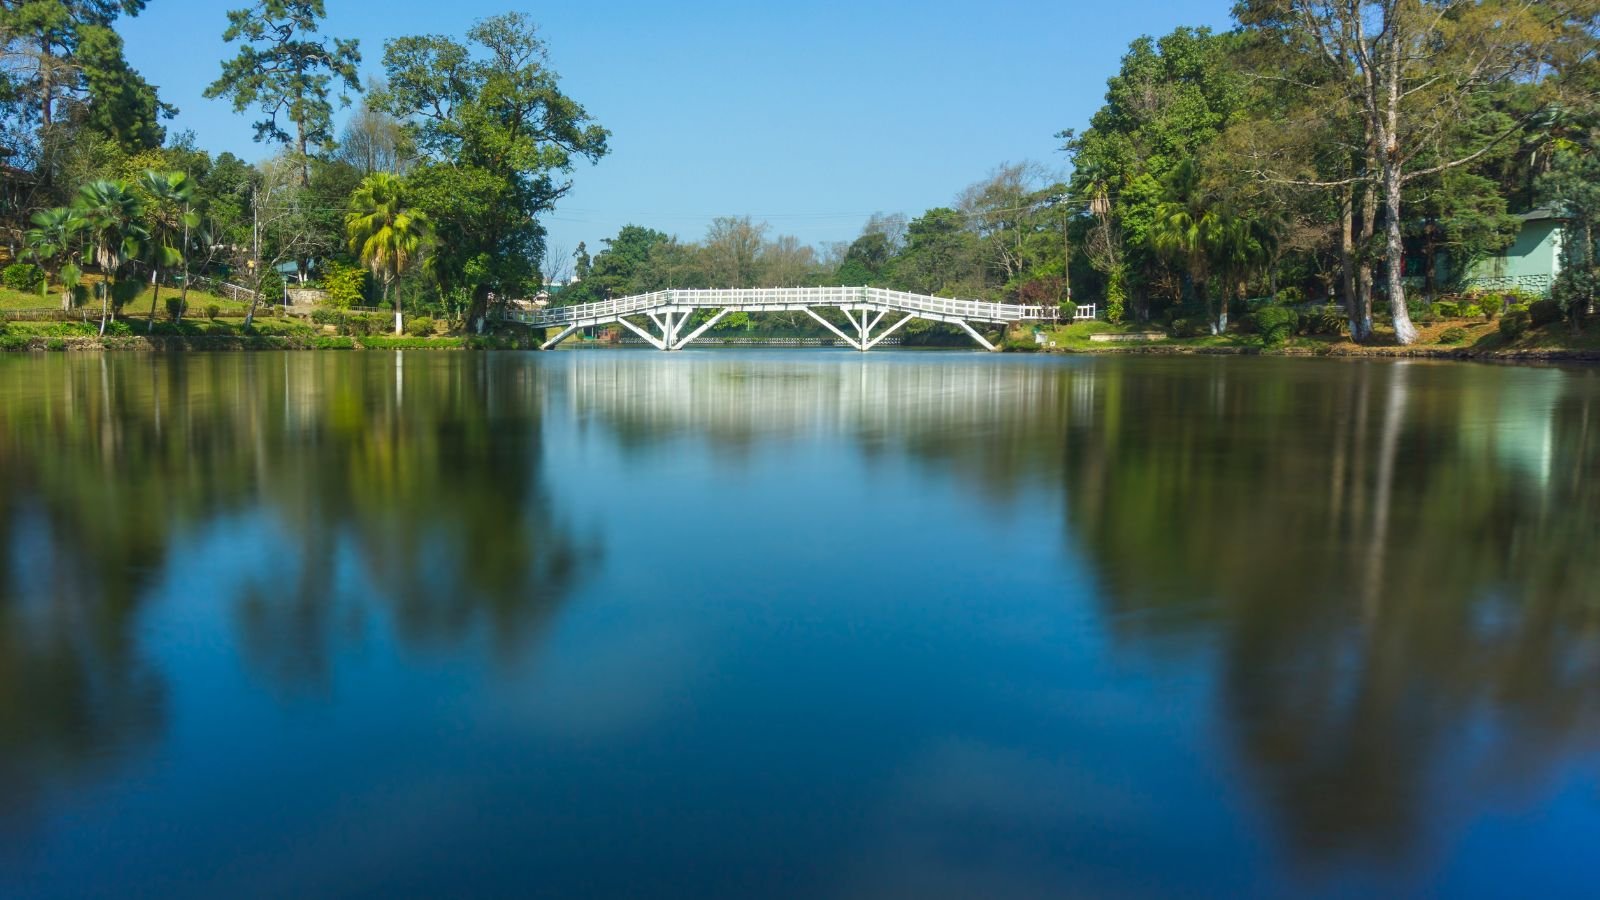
x,y
1455,354
279,342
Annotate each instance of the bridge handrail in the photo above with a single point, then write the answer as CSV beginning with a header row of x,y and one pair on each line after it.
x,y
812,296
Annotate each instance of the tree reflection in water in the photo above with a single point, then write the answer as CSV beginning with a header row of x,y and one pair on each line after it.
x,y
422,478
1395,564
1383,572
1392,565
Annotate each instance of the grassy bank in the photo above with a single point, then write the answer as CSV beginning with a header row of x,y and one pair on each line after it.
x,y
230,334
1445,339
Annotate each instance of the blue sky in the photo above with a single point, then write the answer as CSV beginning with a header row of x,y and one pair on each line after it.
x,y
809,115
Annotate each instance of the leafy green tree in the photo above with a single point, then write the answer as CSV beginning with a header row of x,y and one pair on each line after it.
x,y
1462,216
1168,103
732,251
74,57
938,255
169,219
616,270
673,264
112,217
1189,228
1415,73
1573,187
288,69
53,242
497,136
387,233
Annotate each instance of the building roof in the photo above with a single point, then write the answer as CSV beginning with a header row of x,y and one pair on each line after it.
x,y
1542,213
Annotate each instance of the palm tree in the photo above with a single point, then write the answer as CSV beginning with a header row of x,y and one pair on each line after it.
x,y
111,213
388,236
1188,229
1243,244
53,242
169,215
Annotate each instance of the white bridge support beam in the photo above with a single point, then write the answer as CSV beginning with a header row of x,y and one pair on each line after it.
x,y
891,330
704,327
834,328
566,333
975,335
654,341
671,323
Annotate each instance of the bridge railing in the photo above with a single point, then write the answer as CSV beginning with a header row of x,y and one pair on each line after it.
x,y
785,297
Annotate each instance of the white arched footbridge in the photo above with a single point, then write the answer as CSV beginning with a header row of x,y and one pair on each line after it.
x,y
865,308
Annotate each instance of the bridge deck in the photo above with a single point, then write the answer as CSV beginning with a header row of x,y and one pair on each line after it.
x,y
670,310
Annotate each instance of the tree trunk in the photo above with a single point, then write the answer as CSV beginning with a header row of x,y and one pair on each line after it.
x,y
1394,249
255,300
305,158
1364,281
1430,265
1347,262
183,298
478,311
398,329
155,296
47,87
1201,288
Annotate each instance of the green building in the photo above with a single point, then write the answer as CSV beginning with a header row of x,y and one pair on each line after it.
x,y
1530,264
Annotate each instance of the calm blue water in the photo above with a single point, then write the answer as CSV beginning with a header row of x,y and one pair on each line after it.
x,y
796,624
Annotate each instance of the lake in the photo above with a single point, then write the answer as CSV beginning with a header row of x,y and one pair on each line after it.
x,y
796,623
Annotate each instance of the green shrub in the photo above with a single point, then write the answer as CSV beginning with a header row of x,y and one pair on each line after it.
x,y
56,344
1515,324
325,316
1291,295
1448,309
346,286
326,342
212,311
1544,312
421,326
1453,336
1275,323
176,308
1470,311
1518,297
360,326
25,277
1329,320
1188,328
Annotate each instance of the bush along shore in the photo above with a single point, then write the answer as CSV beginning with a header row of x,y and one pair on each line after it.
x,y
265,334
1534,331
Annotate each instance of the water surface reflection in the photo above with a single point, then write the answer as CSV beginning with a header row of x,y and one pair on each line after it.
x,y
722,623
